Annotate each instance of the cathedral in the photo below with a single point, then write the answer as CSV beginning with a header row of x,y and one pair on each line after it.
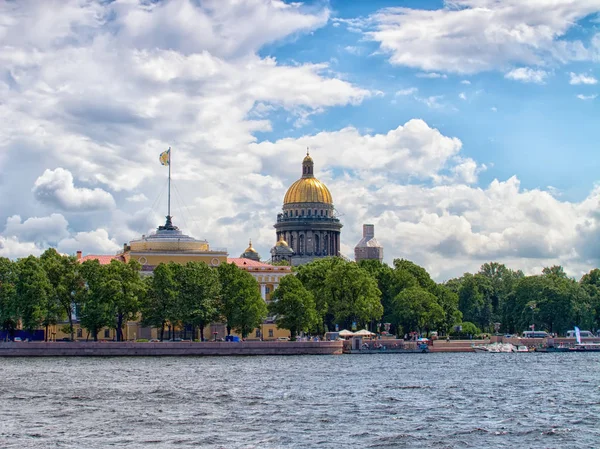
x,y
307,228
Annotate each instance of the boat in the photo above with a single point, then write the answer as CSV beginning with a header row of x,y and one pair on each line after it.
x,y
584,347
521,348
495,348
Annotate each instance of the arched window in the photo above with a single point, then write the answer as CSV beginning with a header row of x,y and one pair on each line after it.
x,y
301,243
296,212
326,245
292,242
317,244
309,212
321,212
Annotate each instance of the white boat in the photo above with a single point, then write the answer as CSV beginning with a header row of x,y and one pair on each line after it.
x,y
521,348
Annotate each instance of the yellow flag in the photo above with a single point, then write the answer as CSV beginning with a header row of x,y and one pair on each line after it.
x,y
165,157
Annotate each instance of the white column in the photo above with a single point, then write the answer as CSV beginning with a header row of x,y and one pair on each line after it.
x,y
263,291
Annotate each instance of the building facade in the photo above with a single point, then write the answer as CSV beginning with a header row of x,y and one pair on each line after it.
x,y
368,248
307,223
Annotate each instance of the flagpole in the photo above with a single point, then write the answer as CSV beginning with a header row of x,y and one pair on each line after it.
x,y
169,193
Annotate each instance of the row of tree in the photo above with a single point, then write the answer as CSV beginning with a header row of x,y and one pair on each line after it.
x,y
330,292
41,292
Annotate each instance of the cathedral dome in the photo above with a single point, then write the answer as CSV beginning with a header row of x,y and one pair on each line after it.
x,y
308,189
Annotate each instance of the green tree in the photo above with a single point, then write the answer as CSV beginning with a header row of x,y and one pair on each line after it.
x,y
199,291
354,296
9,316
416,309
293,306
36,305
94,305
314,278
160,300
471,301
590,282
67,283
448,301
127,290
241,303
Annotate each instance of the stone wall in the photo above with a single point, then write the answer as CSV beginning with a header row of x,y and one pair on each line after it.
x,y
129,349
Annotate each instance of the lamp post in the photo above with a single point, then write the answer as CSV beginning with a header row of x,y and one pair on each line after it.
x,y
532,306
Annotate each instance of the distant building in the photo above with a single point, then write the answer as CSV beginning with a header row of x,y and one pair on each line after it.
x,y
368,248
307,224
250,253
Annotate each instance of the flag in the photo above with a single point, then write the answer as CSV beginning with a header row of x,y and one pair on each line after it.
x,y
165,157
577,335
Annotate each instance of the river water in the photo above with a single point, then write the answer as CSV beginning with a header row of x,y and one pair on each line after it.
x,y
357,401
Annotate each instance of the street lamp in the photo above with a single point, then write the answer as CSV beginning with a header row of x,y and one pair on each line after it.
x,y
532,306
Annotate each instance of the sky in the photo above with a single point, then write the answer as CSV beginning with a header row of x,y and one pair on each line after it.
x,y
466,131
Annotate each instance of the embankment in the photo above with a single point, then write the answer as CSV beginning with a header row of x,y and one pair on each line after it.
x,y
131,349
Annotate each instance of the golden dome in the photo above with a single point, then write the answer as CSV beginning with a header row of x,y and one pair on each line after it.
x,y
308,190
281,242
250,249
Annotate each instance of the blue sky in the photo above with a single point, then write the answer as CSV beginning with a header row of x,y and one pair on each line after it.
x,y
465,131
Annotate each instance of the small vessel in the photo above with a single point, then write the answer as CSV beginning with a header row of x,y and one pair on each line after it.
x,y
584,347
521,348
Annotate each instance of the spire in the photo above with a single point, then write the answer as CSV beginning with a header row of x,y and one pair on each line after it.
x,y
308,166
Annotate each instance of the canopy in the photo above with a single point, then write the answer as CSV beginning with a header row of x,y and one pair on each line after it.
x,y
345,333
363,333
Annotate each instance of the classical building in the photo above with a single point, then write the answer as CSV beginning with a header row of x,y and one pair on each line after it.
x,y
281,252
307,223
368,247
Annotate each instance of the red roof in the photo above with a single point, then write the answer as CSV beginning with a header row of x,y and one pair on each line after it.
x,y
103,259
243,262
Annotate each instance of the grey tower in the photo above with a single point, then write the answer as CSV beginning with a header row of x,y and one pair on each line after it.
x,y
368,247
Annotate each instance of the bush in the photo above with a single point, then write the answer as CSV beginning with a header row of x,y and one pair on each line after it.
x,y
142,340
466,328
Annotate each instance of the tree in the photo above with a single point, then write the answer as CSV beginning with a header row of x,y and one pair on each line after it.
x,y
448,301
94,305
416,309
590,282
241,303
160,300
471,301
9,316
293,306
314,278
199,291
355,297
65,278
127,290
36,305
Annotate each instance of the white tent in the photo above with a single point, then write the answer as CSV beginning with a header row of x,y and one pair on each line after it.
x,y
345,333
363,333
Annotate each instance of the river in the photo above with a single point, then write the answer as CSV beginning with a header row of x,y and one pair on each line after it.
x,y
458,400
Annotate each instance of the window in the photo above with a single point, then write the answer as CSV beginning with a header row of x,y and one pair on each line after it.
x,y
316,212
257,335
271,333
321,212
296,212
79,333
309,212
106,333
267,290
302,214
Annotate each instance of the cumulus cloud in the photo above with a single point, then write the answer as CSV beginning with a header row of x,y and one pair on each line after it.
x,y
587,97
470,36
581,78
527,75
95,242
55,187
37,229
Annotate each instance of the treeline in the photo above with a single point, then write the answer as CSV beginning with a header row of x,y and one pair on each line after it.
x,y
496,298
41,292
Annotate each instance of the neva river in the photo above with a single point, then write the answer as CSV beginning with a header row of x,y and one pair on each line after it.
x,y
351,401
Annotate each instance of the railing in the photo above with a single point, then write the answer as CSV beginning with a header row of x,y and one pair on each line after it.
x,y
281,218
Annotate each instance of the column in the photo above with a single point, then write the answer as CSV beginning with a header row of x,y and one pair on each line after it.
x,y
263,291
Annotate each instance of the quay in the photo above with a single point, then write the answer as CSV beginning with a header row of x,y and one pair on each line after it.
x,y
132,349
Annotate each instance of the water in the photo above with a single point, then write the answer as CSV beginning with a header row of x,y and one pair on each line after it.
x,y
361,401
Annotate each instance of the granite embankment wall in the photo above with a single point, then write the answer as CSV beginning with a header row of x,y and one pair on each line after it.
x,y
130,349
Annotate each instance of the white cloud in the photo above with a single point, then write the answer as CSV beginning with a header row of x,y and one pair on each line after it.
x,y
137,198
431,75
95,242
467,82
581,78
49,229
527,75
494,109
11,248
55,187
407,91
432,101
470,36
587,97
462,96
